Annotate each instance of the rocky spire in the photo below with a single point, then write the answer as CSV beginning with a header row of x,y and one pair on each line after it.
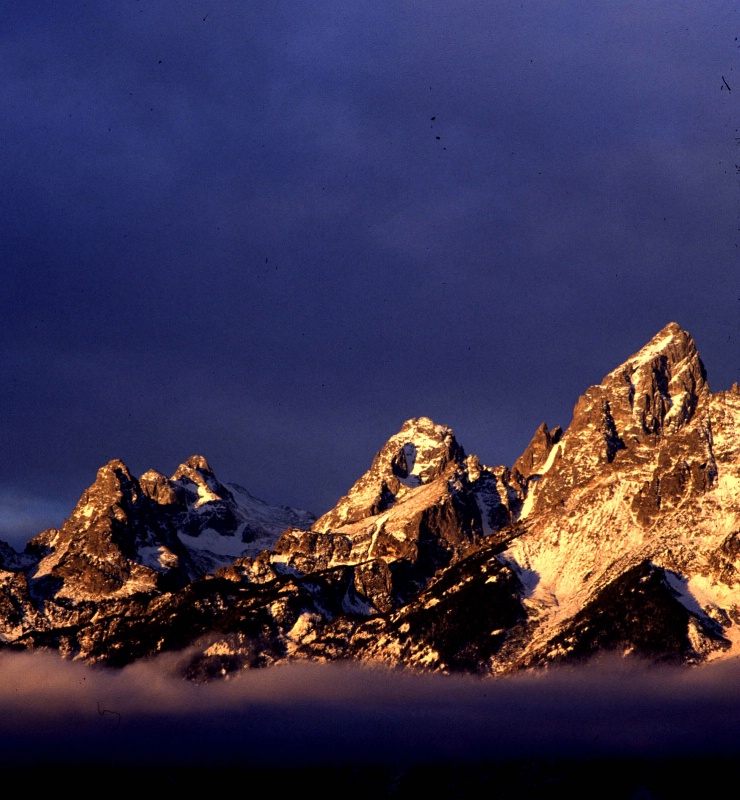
x,y
195,465
115,491
654,393
196,476
637,407
420,452
537,451
657,390
160,488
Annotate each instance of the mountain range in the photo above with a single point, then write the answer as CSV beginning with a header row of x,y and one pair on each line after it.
x,y
619,534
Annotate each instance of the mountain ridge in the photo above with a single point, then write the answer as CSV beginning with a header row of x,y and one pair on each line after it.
x,y
620,532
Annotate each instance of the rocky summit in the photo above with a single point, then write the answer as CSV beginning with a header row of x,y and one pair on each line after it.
x,y
619,534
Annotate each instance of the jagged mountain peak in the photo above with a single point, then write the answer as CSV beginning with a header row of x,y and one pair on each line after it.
x,y
160,488
196,475
154,534
193,464
622,533
654,392
110,546
671,352
671,337
667,351
425,427
647,469
113,485
537,451
649,400
114,470
421,444
657,390
420,452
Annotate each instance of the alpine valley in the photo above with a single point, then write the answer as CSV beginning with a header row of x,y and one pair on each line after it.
x,y
619,534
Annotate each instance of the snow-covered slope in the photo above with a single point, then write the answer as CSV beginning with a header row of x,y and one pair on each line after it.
x,y
421,506
129,538
647,471
220,522
620,533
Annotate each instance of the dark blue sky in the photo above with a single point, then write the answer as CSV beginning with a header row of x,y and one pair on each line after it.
x,y
270,233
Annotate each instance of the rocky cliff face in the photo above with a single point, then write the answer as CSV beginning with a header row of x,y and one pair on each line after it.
x,y
130,539
418,454
636,478
620,533
420,507
115,542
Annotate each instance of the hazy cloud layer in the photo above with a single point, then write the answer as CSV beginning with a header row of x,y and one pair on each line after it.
x,y
60,712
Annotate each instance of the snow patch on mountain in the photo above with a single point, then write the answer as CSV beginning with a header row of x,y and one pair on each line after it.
x,y
534,479
157,557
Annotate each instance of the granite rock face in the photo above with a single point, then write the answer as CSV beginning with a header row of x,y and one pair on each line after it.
x,y
420,507
418,454
129,540
620,533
